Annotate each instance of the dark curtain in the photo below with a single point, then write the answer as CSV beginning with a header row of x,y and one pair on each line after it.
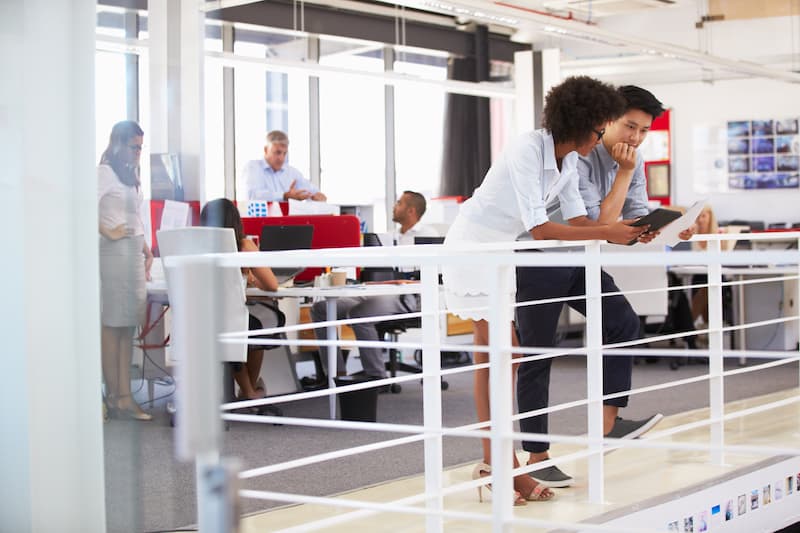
x,y
466,154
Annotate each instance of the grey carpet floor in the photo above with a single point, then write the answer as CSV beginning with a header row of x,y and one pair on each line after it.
x,y
147,489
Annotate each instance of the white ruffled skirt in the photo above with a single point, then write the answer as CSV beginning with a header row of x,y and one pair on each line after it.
x,y
466,287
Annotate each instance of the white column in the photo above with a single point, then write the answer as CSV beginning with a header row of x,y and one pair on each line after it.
x,y
535,73
176,35
51,451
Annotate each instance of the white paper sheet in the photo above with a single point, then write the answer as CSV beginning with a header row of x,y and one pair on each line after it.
x,y
310,207
175,215
670,234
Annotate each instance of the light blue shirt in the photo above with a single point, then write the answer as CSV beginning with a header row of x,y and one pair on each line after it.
x,y
520,186
597,172
264,183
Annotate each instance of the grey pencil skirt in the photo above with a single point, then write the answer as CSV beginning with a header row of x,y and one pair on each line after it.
x,y
123,293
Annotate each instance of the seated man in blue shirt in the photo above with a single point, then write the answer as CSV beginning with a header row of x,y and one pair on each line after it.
x,y
271,179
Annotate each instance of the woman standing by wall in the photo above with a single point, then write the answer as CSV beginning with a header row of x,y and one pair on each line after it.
x,y
125,261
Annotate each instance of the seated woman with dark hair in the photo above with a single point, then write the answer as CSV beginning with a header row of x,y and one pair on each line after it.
x,y
221,213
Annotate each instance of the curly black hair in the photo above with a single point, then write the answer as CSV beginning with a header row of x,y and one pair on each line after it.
x,y
578,105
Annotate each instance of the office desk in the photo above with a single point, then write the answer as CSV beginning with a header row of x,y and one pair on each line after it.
x,y
330,295
788,308
157,293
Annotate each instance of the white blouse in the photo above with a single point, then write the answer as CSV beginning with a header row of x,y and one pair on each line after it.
x,y
118,203
522,184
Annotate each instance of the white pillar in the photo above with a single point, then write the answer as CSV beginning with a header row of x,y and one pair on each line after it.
x,y
535,73
51,451
176,35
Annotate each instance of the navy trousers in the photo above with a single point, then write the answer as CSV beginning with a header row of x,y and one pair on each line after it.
x,y
536,326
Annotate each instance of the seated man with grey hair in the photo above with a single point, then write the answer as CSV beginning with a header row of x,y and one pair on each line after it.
x,y
271,179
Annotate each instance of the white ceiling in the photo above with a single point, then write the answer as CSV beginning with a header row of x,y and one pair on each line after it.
x,y
657,38
644,41
590,9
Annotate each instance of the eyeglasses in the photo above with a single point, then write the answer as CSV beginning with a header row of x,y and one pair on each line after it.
x,y
136,147
599,133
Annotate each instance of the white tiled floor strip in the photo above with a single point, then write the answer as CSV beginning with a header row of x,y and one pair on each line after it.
x,y
632,476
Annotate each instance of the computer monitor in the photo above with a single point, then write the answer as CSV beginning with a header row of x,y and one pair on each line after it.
x,y
286,237
428,240
371,239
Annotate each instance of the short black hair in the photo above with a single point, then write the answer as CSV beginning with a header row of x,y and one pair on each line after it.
x,y
417,201
638,98
578,105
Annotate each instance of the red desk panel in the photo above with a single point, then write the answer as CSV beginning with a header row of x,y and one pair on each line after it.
x,y
330,231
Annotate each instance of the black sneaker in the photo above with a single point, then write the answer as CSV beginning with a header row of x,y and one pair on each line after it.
x,y
633,429
552,477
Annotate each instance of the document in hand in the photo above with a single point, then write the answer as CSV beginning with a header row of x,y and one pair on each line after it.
x,y
670,234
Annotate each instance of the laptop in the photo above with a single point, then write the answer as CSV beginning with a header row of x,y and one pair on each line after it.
x,y
286,237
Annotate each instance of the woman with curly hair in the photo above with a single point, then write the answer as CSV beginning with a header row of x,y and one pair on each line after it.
x,y
534,173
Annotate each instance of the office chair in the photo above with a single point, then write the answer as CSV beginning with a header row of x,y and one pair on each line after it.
x,y
233,312
390,330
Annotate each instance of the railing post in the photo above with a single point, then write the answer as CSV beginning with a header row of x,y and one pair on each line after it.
x,y
716,390
432,396
195,340
594,371
331,353
796,296
501,404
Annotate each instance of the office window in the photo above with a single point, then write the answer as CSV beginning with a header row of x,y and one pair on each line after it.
x,y
214,125
266,100
419,123
110,106
352,154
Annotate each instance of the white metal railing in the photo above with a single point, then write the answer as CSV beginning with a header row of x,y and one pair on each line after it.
x,y
200,434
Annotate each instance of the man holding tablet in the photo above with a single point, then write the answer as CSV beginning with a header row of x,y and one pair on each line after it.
x,y
612,182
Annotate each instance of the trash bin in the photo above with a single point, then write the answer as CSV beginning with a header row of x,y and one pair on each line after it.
x,y
360,405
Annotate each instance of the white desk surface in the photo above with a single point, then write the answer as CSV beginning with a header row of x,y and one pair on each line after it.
x,y
738,271
343,291
157,290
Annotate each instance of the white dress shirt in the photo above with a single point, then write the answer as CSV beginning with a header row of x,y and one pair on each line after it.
x,y
522,184
117,202
417,230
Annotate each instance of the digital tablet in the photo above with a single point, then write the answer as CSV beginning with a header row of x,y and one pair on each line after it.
x,y
656,220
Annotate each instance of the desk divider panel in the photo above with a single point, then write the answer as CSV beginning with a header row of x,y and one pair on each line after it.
x,y
330,231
